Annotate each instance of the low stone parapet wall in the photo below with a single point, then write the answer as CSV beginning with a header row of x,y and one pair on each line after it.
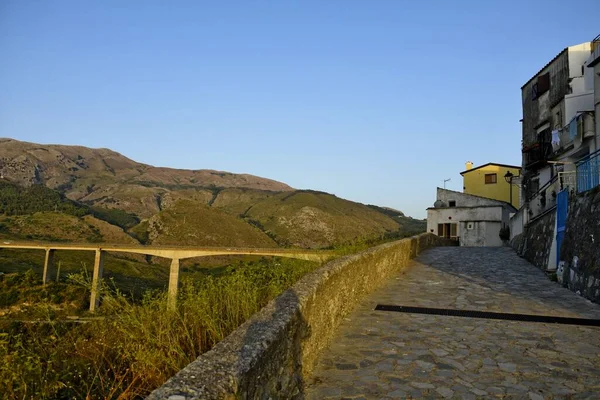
x,y
271,354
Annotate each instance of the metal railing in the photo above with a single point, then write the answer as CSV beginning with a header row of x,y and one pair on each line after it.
x,y
536,156
567,180
544,199
588,172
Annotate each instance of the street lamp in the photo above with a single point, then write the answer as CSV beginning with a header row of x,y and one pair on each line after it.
x,y
508,177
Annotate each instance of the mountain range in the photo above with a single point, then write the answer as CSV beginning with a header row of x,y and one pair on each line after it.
x,y
58,192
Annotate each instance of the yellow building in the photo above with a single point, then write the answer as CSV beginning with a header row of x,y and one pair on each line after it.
x,y
488,181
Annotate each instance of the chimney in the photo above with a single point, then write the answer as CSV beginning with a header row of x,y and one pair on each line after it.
x,y
469,165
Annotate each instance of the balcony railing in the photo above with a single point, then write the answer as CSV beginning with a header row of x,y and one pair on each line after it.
x,y
567,180
544,199
588,172
536,155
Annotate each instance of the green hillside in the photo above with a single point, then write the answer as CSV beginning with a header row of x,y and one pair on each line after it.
x,y
190,222
315,219
18,200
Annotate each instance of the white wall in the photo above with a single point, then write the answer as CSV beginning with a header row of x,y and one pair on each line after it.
x,y
578,55
596,141
475,236
545,174
517,222
481,233
552,264
492,234
437,216
574,103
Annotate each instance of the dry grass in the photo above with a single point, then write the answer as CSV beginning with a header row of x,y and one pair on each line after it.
x,y
137,346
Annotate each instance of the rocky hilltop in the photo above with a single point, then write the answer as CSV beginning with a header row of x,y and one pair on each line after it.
x,y
105,177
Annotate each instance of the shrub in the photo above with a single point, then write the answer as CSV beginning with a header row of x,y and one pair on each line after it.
x,y
136,347
504,233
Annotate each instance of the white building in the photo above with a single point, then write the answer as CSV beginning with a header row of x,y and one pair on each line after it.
x,y
470,219
593,72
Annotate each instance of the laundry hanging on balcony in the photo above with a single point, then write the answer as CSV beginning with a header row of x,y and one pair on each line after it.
x,y
555,140
573,129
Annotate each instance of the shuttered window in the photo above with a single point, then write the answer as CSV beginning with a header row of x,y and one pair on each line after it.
x,y
453,230
490,178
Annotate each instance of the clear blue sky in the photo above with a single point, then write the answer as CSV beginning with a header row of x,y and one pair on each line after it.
x,y
375,101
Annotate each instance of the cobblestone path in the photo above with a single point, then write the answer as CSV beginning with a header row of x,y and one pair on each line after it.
x,y
384,355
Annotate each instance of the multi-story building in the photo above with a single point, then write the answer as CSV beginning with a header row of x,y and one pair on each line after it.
x,y
588,169
558,126
560,142
494,181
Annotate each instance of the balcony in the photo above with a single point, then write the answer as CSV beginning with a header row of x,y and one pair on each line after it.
x,y
537,155
543,200
588,172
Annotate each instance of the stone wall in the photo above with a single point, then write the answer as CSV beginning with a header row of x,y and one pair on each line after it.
x,y
272,353
580,250
535,243
582,240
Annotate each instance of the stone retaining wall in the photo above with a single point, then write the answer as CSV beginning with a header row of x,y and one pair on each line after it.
x,y
582,240
272,353
535,243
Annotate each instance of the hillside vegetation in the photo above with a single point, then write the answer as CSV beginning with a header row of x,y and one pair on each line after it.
x,y
153,205
138,346
189,222
313,219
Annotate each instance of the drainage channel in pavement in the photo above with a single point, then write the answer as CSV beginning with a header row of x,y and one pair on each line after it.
x,y
489,315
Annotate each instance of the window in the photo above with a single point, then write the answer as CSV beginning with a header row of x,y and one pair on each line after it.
x,y
452,203
558,120
541,86
490,178
448,230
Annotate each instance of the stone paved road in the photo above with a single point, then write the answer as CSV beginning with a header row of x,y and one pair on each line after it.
x,y
383,355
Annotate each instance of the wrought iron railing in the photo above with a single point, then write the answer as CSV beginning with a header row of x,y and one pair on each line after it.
x,y
544,199
588,172
536,156
567,180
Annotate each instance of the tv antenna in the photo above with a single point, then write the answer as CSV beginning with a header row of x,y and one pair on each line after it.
x,y
446,180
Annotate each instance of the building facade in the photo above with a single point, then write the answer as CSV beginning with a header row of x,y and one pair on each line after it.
x,y
472,220
558,125
588,168
489,181
560,142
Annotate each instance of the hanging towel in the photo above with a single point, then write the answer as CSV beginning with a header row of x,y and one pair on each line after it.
x,y
555,140
573,129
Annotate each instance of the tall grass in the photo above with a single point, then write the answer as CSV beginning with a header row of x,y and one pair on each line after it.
x,y
137,346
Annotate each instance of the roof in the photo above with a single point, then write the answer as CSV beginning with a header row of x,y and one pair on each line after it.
x,y
491,163
551,61
541,69
499,202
